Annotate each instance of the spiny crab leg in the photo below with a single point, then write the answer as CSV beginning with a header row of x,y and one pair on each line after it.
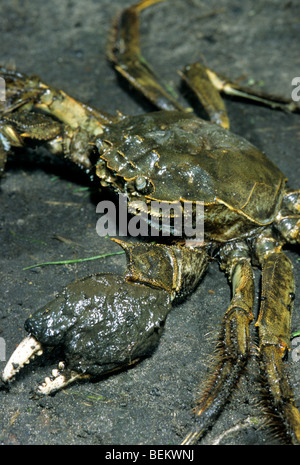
x,y
26,351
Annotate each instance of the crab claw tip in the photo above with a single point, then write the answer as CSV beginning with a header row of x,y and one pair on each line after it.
x,y
26,351
59,379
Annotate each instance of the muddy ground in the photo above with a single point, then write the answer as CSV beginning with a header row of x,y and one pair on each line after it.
x,y
41,200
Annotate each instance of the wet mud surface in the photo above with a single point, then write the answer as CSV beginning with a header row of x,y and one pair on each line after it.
x,y
48,214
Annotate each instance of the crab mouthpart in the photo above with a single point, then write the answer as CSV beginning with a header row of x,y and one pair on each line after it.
x,y
24,353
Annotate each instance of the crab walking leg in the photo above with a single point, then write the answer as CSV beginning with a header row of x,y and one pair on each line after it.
x,y
209,85
234,351
17,129
274,333
66,125
199,80
27,92
231,88
126,55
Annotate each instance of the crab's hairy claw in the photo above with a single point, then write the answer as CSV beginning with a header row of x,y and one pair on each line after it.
x,y
274,333
102,322
25,352
105,322
234,349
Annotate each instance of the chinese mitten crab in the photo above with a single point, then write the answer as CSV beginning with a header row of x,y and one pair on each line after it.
x,y
107,321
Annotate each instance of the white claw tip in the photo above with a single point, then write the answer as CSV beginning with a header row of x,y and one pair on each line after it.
x,y
23,354
58,380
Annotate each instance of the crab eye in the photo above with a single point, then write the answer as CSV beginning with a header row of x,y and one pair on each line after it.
x,y
142,184
100,145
